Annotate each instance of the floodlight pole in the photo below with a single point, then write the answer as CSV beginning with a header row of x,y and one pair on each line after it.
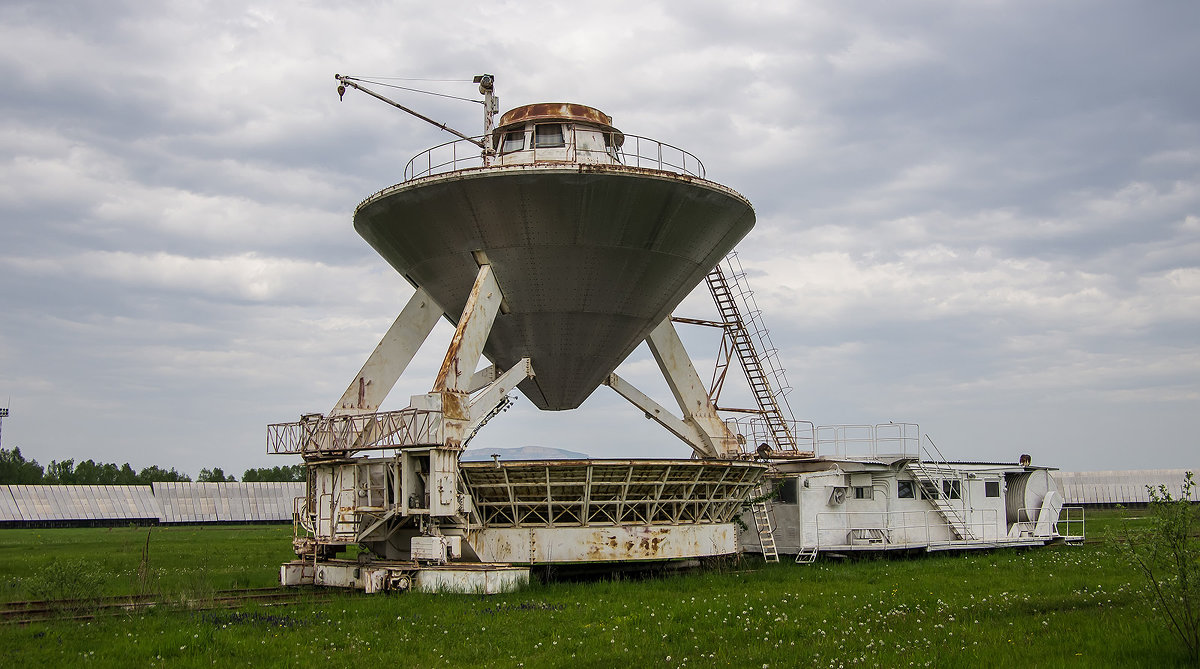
x,y
3,415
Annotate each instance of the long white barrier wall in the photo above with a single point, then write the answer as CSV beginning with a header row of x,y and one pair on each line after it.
x,y
162,502
267,502
225,502
49,503
1120,487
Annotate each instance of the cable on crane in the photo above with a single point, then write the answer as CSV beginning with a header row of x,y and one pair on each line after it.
x,y
414,90
455,81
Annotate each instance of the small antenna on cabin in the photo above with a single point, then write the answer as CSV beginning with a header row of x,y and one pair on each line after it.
x,y
491,105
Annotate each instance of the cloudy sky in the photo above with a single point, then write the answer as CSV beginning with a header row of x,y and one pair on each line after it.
x,y
981,217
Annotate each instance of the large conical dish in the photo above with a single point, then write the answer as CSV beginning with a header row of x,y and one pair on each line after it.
x,y
589,257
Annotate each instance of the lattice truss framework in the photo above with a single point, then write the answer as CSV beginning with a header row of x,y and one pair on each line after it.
x,y
584,493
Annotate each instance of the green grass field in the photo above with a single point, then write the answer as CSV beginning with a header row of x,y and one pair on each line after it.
x,y
1056,606
179,559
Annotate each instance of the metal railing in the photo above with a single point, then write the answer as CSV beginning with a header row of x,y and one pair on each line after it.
x,y
902,529
902,439
757,328
634,151
842,441
301,517
652,154
757,430
745,335
315,433
1072,524
449,157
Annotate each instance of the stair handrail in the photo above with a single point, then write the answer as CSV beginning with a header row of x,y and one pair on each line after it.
x,y
766,346
751,342
943,460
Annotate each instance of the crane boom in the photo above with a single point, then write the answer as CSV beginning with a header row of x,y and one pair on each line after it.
x,y
484,144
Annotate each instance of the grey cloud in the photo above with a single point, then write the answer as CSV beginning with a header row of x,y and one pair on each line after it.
x,y
982,217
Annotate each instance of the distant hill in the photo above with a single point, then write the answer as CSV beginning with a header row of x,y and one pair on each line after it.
x,y
523,453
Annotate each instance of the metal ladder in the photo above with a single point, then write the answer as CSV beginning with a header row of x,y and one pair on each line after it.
x,y
807,555
762,523
743,346
932,491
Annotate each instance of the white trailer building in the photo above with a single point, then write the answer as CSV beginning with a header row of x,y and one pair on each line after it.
x,y
875,500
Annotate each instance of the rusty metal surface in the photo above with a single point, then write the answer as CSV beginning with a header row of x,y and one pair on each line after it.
x,y
570,510
689,391
316,433
474,579
564,545
590,258
555,111
454,375
391,357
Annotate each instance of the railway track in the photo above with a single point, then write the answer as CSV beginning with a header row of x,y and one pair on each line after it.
x,y
24,612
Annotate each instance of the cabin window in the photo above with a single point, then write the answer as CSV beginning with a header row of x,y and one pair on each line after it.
x,y
905,489
548,136
862,492
951,489
991,488
513,141
787,491
610,147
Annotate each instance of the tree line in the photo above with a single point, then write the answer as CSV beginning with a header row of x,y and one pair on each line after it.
x,y
16,470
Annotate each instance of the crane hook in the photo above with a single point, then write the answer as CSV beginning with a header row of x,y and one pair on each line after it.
x,y
341,91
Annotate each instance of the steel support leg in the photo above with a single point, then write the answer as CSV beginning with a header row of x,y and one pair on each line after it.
x,y
391,357
689,390
701,427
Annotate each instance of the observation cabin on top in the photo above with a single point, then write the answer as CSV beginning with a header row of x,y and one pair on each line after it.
x,y
557,132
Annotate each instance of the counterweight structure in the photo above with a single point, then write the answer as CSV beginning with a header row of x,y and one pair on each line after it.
x,y
555,250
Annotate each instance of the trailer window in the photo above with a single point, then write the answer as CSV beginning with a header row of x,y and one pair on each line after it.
x,y
904,489
991,488
513,141
862,492
951,489
787,491
610,147
548,136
